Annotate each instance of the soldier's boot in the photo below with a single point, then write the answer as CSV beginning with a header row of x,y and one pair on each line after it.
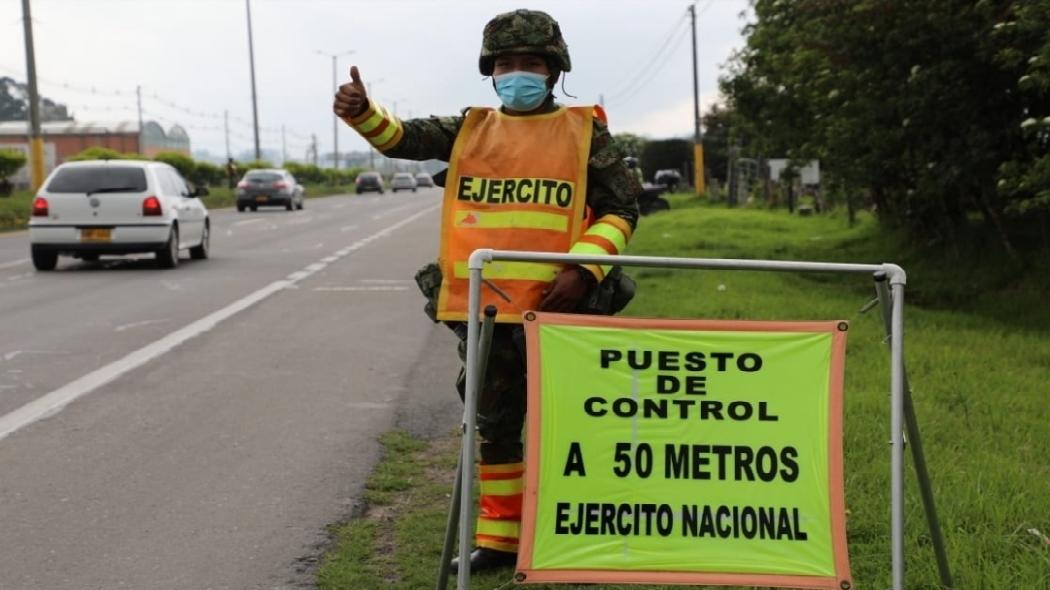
x,y
485,559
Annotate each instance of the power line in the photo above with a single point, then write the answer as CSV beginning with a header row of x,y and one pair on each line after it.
x,y
669,36
647,76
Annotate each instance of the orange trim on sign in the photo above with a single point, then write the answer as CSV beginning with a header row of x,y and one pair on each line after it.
x,y
836,476
532,456
684,578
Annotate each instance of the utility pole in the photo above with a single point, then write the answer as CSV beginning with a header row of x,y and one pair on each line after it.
x,y
313,147
335,119
251,62
698,140
138,96
226,130
36,141
601,100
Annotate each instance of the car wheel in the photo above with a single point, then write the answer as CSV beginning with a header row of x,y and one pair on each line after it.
x,y
302,203
254,208
200,251
413,190
240,208
168,256
44,259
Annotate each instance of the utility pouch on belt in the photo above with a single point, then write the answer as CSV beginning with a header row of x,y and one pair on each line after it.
x,y
429,280
610,296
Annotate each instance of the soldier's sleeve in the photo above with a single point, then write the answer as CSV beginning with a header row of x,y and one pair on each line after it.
x,y
612,195
414,139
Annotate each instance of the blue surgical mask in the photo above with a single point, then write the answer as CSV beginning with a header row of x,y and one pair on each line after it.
x,y
521,91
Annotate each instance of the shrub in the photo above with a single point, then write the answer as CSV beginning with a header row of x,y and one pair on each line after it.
x,y
102,153
10,162
181,162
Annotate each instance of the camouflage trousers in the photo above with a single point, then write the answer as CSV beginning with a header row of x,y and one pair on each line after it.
x,y
501,400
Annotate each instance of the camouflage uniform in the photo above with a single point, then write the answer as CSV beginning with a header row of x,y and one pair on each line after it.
x,y
611,189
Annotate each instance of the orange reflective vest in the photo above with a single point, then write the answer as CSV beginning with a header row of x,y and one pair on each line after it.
x,y
514,183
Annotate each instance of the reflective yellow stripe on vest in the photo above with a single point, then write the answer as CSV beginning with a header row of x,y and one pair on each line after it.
x,y
512,219
526,271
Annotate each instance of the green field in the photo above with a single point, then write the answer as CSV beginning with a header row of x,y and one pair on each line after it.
x,y
14,210
977,349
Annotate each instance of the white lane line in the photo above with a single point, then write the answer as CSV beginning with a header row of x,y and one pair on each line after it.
x,y
348,227
123,327
389,212
53,402
14,263
361,288
385,281
24,275
15,353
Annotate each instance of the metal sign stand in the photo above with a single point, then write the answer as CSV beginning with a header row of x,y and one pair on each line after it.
x,y
902,413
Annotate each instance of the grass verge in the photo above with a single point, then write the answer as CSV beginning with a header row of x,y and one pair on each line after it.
x,y
978,356
14,210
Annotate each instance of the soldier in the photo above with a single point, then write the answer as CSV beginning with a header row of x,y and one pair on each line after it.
x,y
531,175
231,172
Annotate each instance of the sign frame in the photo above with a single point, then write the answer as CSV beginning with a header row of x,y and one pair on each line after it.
x,y
890,273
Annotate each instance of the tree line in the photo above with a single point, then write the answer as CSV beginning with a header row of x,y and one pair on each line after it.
x,y
934,114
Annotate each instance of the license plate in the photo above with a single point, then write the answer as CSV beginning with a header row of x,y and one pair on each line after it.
x,y
262,199
96,234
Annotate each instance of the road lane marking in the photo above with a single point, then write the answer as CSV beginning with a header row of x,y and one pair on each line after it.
x,y
14,263
389,212
348,227
377,288
15,353
387,281
52,403
123,327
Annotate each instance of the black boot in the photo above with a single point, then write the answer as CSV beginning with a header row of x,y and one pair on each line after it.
x,y
483,558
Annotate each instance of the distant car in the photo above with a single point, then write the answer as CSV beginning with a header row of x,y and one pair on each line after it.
x,y
369,181
269,187
424,180
95,207
403,181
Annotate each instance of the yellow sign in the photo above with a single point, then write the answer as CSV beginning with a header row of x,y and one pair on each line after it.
x,y
684,452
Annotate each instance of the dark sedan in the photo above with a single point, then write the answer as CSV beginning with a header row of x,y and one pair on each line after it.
x,y
269,187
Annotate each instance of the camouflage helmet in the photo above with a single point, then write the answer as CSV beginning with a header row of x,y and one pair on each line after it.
x,y
523,31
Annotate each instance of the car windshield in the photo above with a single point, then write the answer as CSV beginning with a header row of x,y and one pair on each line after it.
x,y
262,176
98,179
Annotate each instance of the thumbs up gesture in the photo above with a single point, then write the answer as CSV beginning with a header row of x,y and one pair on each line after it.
x,y
352,98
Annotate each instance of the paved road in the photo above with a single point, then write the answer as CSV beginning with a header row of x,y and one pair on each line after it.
x,y
199,427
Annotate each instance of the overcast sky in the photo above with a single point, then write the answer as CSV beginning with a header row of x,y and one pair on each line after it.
x,y
419,54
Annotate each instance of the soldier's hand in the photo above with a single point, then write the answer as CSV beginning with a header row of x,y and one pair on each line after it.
x,y
352,98
568,288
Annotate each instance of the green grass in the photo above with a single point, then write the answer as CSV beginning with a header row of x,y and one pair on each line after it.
x,y
14,210
977,347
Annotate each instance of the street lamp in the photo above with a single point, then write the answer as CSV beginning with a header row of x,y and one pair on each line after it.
x,y
251,63
335,119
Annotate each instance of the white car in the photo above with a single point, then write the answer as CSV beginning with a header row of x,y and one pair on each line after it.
x,y
403,181
90,208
